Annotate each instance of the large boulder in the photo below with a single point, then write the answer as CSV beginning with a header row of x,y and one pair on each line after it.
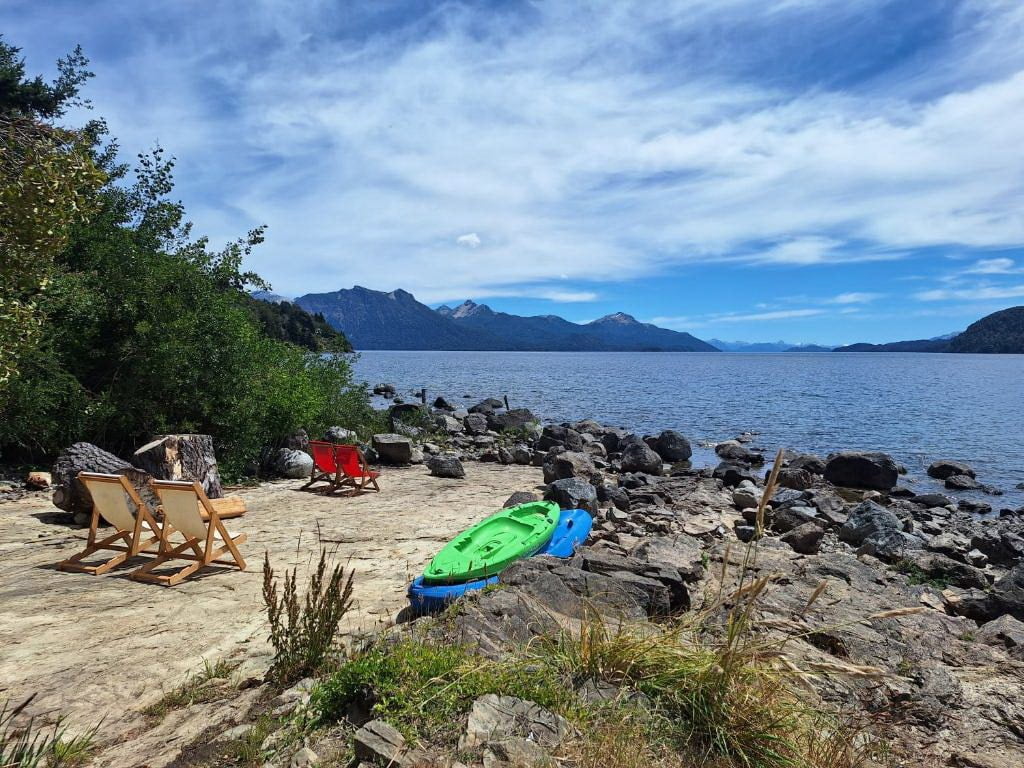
x,y
862,469
732,475
573,493
570,464
392,448
487,406
672,446
733,451
475,423
517,418
866,520
446,465
682,552
637,457
944,468
449,424
1009,592
340,435
808,461
556,434
962,483
292,464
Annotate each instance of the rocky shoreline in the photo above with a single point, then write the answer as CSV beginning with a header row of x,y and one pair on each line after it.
x,y
950,688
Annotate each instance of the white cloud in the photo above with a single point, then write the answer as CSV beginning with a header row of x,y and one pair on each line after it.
x,y
976,293
680,322
1000,266
579,146
855,298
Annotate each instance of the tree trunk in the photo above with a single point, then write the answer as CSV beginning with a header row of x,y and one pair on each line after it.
x,y
71,496
182,457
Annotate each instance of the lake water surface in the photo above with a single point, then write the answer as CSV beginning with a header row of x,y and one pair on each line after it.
x,y
917,407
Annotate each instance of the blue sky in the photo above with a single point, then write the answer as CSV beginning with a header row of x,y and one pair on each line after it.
x,y
809,170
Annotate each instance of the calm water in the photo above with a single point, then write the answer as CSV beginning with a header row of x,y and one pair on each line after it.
x,y
918,407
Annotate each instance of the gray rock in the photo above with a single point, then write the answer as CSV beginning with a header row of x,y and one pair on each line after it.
x,y
866,520
854,469
573,493
933,500
1009,592
522,455
637,457
517,418
808,461
555,434
340,435
293,464
392,448
379,743
682,552
935,565
746,495
516,753
734,474
570,464
962,483
805,538
672,446
495,718
733,451
303,758
475,423
446,465
520,497
616,495
889,545
1005,632
449,424
488,405
796,478
944,468
787,518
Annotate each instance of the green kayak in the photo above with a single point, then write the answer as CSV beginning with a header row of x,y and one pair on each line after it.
x,y
490,545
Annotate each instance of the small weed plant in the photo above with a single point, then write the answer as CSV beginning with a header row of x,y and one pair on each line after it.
x,y
30,745
303,629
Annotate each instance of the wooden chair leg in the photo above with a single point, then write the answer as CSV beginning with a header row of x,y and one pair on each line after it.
x,y
74,563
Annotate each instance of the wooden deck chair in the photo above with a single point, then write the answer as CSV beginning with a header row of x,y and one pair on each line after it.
x,y
116,501
207,538
325,467
357,473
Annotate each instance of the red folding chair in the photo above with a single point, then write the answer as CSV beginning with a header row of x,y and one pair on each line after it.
x,y
325,468
353,466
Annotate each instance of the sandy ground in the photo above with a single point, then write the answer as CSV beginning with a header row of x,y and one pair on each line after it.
x,y
94,647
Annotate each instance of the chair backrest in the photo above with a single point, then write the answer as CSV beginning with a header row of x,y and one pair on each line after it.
x,y
349,460
180,501
110,497
323,456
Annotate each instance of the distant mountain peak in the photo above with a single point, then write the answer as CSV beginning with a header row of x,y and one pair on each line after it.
x,y
470,308
618,317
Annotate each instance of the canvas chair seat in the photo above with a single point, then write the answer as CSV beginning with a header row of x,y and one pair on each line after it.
x,y
119,504
201,539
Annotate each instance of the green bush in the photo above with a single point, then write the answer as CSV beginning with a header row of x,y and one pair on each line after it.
x,y
142,328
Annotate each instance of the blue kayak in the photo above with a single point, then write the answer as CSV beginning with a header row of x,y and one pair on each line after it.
x,y
573,528
430,598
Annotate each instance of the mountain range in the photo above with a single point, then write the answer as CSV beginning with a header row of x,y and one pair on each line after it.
x,y
396,320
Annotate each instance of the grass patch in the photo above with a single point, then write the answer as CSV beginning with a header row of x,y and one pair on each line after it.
x,y
31,745
426,689
198,689
918,576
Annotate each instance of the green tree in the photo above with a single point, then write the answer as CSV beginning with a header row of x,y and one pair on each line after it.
x,y
145,329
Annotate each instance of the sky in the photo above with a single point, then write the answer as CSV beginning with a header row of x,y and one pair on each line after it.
x,y
810,170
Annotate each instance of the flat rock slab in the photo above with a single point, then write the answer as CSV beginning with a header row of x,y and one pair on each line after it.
x,y
94,647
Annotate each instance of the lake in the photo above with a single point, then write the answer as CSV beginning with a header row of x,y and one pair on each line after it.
x,y
917,407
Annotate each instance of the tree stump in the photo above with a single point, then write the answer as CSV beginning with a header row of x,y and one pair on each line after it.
x,y
182,457
71,496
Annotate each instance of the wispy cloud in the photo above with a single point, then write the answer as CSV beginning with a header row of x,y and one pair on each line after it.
x,y
595,141
683,322
976,293
855,298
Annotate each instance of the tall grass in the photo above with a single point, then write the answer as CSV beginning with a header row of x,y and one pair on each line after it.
x,y
302,630
30,745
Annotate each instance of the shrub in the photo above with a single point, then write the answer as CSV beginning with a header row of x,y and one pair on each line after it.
x,y
29,745
303,633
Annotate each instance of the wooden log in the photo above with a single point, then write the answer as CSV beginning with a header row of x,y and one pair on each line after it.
x,y
71,496
182,457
